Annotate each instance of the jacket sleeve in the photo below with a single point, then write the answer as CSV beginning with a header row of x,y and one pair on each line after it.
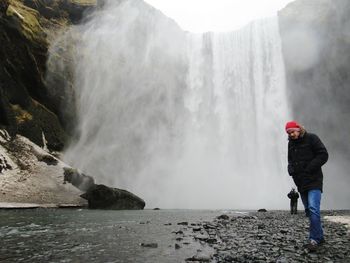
x,y
290,167
320,155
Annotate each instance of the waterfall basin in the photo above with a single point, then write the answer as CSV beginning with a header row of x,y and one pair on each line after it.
x,y
81,235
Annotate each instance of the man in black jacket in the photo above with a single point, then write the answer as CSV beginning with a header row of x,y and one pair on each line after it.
x,y
306,155
293,196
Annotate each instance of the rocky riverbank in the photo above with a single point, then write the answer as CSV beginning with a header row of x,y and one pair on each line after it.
x,y
33,177
269,237
166,236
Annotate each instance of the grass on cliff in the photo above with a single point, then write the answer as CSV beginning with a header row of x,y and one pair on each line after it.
x,y
21,114
28,19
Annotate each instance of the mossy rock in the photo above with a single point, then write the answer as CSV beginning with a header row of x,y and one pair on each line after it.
x,y
37,120
29,105
83,2
28,19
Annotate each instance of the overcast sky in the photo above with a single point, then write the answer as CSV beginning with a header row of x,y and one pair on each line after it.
x,y
217,15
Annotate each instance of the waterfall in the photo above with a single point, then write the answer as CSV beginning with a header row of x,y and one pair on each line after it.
x,y
183,120
237,100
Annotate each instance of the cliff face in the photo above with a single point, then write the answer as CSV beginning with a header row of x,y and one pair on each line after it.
x,y
26,28
35,105
316,48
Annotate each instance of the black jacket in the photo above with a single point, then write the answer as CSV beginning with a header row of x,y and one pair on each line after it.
x,y
306,155
293,195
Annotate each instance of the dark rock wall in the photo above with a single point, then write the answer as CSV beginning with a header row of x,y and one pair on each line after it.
x,y
316,49
26,105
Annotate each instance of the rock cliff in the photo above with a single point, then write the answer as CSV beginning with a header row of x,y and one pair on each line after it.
x,y
35,106
26,29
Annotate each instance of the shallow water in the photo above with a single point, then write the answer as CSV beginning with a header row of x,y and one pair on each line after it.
x,y
79,235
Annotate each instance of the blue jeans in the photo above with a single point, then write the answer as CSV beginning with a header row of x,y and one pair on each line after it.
x,y
312,201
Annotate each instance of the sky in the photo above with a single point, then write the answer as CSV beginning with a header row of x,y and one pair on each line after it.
x,y
199,16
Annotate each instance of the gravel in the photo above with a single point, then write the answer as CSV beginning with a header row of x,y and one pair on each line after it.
x,y
273,236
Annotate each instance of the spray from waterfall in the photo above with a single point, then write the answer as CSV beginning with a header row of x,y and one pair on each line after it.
x,y
182,120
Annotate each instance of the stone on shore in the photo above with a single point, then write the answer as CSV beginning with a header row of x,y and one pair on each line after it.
x,y
104,197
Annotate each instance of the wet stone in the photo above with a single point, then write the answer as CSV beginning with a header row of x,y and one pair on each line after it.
x,y
284,231
223,217
198,258
149,245
261,226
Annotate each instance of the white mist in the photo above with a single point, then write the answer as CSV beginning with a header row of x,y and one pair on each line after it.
x,y
182,120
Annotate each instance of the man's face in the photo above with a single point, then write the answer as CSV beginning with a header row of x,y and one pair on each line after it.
x,y
294,134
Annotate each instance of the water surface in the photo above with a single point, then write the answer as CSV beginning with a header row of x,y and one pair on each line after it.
x,y
79,235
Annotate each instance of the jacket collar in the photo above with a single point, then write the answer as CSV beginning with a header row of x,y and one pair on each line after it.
x,y
301,137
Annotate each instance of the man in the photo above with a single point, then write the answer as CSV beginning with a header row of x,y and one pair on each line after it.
x,y
293,196
306,155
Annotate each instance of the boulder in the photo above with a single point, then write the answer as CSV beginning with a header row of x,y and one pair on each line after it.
x,y
104,197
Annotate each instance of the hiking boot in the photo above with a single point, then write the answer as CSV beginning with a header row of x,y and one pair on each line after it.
x,y
312,246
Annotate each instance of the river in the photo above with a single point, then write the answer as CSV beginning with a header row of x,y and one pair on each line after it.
x,y
81,235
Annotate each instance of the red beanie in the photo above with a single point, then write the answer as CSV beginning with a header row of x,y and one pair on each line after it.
x,y
292,126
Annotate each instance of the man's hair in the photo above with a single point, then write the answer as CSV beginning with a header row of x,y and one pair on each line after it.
x,y
302,131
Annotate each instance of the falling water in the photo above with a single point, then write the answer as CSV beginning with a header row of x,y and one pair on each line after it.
x,y
182,120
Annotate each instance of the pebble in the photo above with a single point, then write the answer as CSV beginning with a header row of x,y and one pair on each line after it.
x,y
224,217
149,245
271,236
